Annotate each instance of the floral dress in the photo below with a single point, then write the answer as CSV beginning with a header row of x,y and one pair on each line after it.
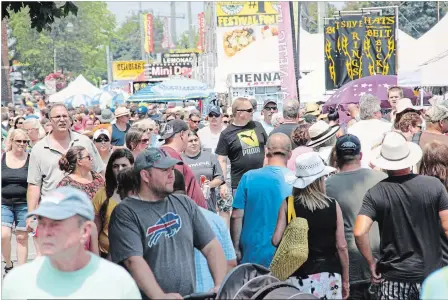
x,y
89,188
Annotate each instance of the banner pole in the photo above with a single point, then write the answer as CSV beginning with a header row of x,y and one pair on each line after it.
x,y
295,47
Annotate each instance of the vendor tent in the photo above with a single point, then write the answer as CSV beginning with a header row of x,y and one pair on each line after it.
x,y
80,86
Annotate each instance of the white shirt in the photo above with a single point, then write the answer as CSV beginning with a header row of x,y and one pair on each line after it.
x,y
209,140
370,134
268,128
99,279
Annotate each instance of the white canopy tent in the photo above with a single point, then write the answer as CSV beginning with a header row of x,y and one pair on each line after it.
x,y
80,86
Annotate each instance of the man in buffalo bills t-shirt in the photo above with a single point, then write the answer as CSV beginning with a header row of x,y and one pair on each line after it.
x,y
243,142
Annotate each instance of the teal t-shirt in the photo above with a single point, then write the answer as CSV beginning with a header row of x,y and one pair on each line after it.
x,y
260,193
436,285
99,279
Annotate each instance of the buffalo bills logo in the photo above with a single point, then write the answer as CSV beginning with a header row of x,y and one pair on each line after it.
x,y
169,225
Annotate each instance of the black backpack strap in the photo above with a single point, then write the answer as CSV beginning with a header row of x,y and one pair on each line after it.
x,y
416,138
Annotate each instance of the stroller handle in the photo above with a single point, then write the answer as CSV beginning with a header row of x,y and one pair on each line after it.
x,y
200,296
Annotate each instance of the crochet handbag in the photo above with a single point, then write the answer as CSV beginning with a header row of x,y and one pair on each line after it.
x,y
292,252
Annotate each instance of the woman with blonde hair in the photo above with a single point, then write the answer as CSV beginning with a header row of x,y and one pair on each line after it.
x,y
325,274
137,140
149,126
14,205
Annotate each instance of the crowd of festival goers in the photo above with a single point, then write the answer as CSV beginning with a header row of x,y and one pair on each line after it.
x,y
160,201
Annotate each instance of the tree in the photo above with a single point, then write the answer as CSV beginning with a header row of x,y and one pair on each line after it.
x,y
183,41
42,14
126,44
415,17
81,51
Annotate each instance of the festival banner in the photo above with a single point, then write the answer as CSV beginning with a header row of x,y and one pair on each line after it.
x,y
286,54
201,38
127,70
149,37
359,46
167,41
247,32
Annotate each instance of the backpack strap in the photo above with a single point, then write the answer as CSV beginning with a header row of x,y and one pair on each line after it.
x,y
416,138
291,210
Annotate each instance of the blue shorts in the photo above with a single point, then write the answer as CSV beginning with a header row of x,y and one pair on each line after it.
x,y
15,215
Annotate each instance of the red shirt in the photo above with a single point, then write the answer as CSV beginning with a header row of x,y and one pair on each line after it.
x,y
193,189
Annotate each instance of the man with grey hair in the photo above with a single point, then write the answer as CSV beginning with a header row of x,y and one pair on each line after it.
x,y
370,129
291,114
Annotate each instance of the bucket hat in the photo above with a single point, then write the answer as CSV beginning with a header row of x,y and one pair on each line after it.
x,y
309,167
406,104
396,153
106,116
320,132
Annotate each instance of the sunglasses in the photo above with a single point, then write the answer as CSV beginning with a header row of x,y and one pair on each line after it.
x,y
22,142
213,115
102,140
144,141
271,108
249,110
226,122
19,123
196,122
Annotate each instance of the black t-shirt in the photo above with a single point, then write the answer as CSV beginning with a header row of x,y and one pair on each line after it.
x,y
14,183
287,129
244,146
407,211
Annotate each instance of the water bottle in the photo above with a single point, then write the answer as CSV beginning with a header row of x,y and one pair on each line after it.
x,y
33,225
205,187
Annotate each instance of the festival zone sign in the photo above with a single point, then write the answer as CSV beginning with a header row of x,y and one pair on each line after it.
x,y
359,46
127,70
232,14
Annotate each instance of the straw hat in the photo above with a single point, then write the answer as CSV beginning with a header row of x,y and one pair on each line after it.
x,y
312,108
404,104
309,167
121,111
396,153
320,132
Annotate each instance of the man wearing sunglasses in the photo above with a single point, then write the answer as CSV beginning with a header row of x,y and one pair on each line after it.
x,y
269,108
194,120
243,142
209,135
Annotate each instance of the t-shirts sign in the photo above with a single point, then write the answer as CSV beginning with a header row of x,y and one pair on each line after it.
x,y
127,70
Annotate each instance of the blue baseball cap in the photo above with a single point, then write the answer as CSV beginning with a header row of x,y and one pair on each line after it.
x,y
142,110
63,203
214,109
154,158
348,144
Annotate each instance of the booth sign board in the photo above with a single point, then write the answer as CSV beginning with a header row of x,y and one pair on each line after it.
x,y
255,79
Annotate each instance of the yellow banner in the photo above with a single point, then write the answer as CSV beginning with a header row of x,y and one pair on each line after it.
x,y
231,14
127,70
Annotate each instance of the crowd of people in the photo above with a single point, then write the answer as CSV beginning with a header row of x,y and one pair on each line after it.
x,y
159,202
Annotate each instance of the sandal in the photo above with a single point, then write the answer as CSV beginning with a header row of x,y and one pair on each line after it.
x,y
7,269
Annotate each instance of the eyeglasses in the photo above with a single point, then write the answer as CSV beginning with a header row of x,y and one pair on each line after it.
x,y
102,140
196,122
249,110
213,115
61,116
21,142
144,141
87,156
271,108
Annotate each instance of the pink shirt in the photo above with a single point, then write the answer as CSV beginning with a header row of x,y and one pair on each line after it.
x,y
295,153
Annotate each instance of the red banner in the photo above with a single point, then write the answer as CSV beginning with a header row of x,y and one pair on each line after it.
x,y
149,38
201,38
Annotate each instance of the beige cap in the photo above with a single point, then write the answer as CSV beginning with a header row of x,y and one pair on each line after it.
x,y
436,113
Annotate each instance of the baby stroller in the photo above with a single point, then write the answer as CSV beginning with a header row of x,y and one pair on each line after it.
x,y
253,281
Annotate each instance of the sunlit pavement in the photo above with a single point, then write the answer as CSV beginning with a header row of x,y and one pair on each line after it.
x,y
31,251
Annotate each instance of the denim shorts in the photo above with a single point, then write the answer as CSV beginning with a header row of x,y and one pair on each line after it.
x,y
15,215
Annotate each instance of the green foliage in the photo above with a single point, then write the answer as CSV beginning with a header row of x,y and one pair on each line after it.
x,y
81,51
42,14
183,41
415,17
